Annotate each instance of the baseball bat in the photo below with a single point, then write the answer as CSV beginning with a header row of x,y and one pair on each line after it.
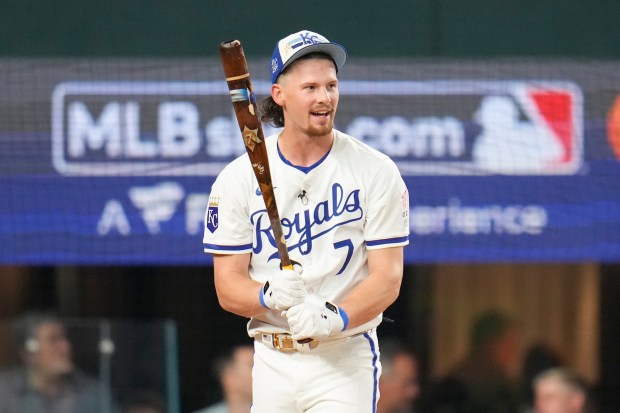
x,y
244,102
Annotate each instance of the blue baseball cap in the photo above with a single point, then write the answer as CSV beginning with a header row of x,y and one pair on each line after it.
x,y
299,44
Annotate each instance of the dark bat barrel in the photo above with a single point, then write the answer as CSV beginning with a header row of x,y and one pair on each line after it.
x,y
239,83
244,102
233,59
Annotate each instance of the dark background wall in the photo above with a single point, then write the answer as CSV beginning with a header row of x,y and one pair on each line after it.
x,y
458,28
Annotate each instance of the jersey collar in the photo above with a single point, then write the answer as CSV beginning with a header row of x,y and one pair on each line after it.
x,y
304,169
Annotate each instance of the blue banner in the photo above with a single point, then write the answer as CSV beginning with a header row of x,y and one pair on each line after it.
x,y
505,161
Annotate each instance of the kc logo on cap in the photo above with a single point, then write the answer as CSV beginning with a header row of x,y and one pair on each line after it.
x,y
300,44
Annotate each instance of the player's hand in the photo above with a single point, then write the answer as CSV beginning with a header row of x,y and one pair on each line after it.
x,y
284,290
315,318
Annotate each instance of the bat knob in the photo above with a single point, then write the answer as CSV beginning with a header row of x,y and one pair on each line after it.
x,y
230,44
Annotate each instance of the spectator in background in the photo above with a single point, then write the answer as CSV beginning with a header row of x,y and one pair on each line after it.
x,y
559,390
234,371
538,358
487,380
399,385
48,381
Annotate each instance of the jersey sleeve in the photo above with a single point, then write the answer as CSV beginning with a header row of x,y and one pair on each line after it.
x,y
227,228
387,220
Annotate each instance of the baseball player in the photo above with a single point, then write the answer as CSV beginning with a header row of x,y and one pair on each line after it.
x,y
344,213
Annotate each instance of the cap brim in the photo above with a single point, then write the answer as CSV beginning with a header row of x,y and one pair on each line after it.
x,y
334,50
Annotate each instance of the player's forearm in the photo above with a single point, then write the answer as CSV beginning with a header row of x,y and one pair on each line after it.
x,y
241,298
369,299
236,291
378,291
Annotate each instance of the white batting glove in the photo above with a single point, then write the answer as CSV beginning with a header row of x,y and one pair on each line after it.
x,y
284,290
316,318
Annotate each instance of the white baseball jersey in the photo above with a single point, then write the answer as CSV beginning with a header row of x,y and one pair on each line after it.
x,y
351,200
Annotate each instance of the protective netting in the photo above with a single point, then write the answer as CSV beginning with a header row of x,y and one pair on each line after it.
x,y
111,160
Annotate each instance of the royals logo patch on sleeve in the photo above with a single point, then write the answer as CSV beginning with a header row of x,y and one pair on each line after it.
x,y
212,214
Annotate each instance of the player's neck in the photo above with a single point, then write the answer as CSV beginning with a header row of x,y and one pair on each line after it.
x,y
303,150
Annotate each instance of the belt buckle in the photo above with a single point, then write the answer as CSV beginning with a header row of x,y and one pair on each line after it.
x,y
283,342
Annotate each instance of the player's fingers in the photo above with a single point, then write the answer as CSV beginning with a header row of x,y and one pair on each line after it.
x,y
298,336
291,274
295,302
295,328
297,292
300,328
302,331
292,314
294,285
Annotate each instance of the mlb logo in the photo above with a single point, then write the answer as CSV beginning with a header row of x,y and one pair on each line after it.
x,y
533,129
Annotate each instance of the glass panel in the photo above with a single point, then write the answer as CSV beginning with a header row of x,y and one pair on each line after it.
x,y
87,365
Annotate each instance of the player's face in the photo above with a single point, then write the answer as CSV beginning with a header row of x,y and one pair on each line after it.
x,y
308,94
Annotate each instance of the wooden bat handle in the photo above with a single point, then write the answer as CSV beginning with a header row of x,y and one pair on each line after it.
x,y
244,102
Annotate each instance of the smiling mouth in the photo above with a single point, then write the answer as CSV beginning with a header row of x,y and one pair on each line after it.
x,y
320,114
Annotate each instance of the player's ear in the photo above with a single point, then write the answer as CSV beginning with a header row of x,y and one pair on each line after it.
x,y
277,94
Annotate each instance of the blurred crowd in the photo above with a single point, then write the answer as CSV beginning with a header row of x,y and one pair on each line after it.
x,y
499,375
496,376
